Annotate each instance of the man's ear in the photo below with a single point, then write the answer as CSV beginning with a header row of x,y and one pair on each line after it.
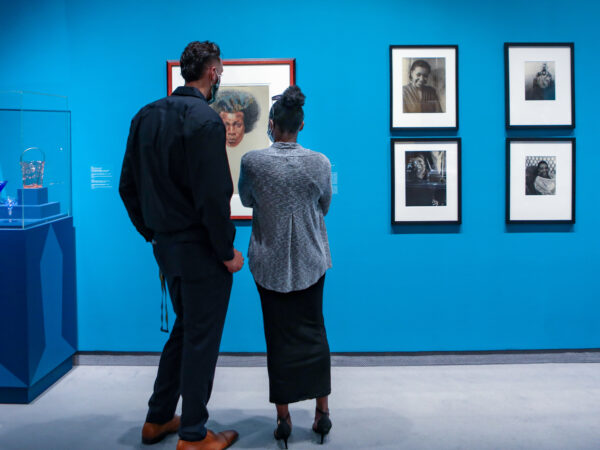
x,y
301,126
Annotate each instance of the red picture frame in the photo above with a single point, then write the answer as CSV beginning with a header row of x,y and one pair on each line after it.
x,y
238,212
238,62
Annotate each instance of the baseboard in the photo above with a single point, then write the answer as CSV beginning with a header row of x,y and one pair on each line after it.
x,y
365,359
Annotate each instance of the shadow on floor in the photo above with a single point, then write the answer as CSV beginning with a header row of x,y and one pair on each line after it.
x,y
255,428
84,432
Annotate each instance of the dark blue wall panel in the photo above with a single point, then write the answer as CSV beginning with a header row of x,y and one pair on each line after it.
x,y
38,320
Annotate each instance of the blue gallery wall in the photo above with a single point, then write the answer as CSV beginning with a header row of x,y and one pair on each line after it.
x,y
482,286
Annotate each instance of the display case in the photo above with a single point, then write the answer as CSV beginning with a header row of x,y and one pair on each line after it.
x,y
35,158
38,323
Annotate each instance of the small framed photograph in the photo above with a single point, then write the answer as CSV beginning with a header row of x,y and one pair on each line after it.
x,y
243,102
539,84
540,180
423,87
426,185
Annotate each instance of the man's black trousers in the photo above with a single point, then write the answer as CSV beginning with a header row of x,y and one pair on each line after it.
x,y
199,286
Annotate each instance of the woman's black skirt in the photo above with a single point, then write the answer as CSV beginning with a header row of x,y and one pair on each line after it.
x,y
298,357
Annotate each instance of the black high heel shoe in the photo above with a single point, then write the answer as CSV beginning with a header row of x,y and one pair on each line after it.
x,y
283,430
323,425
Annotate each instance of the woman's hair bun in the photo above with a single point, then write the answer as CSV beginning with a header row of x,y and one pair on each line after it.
x,y
293,98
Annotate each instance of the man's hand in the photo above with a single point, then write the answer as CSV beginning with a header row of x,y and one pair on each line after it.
x,y
235,264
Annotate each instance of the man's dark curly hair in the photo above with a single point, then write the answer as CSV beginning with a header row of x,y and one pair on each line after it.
x,y
232,101
196,57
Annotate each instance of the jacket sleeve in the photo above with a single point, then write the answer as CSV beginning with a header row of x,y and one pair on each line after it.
x,y
128,187
211,183
326,192
244,185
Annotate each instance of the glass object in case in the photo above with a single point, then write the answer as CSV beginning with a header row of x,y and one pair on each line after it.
x,y
35,159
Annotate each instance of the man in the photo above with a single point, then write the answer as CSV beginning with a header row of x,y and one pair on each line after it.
x,y
176,186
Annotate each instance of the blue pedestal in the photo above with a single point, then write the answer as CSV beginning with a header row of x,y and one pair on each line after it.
x,y
38,333
32,208
31,212
37,196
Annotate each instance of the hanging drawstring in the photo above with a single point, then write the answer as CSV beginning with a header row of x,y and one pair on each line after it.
x,y
163,304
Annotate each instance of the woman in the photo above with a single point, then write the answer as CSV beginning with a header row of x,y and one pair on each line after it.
x,y
544,183
417,97
289,189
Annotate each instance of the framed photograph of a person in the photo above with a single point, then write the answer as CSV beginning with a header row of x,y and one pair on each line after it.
x,y
426,184
539,85
423,87
243,102
540,180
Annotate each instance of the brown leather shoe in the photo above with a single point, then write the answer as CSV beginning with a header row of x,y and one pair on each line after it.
x,y
154,432
212,441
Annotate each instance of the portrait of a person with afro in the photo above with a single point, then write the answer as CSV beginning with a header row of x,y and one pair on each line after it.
x,y
243,110
239,111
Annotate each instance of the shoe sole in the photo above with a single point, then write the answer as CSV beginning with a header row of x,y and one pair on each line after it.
x,y
233,442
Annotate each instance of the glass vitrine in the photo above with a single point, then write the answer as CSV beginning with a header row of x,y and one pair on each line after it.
x,y
35,158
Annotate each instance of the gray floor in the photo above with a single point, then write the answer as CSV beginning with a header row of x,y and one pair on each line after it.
x,y
508,406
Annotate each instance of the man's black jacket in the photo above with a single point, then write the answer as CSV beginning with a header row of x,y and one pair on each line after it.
x,y
175,174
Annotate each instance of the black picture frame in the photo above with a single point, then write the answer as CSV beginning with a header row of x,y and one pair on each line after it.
x,y
511,123
510,183
457,188
396,89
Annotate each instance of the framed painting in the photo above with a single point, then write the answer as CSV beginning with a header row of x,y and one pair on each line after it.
x,y
423,87
539,85
540,180
426,184
243,103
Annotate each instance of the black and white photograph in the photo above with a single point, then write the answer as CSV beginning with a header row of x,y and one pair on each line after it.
x,y
540,180
426,184
426,178
539,80
540,175
539,85
423,87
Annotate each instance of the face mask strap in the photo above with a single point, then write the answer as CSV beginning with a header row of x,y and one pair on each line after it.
x,y
274,99
214,88
269,127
